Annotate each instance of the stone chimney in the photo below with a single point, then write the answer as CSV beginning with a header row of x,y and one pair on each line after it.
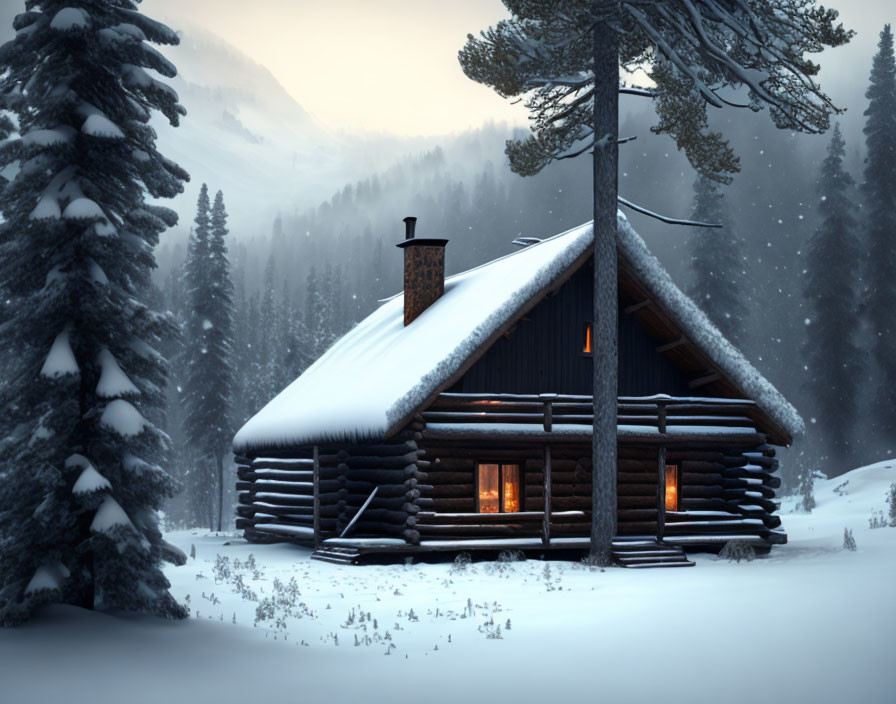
x,y
424,271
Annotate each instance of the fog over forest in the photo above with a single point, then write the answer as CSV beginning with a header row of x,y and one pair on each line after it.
x,y
314,215
460,187
303,387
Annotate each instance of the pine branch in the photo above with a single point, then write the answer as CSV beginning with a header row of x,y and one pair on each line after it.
x,y
664,218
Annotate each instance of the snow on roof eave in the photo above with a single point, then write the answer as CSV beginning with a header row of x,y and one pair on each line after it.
x,y
382,372
379,341
697,327
694,324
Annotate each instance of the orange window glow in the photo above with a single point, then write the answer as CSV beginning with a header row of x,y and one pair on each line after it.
x,y
671,487
511,478
498,488
489,497
589,343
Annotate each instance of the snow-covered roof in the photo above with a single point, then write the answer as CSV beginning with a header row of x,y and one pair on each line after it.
x,y
381,371
701,332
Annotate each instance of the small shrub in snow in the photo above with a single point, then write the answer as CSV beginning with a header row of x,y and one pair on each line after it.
x,y
891,499
737,550
549,579
491,631
591,564
849,542
512,556
282,604
840,489
221,570
461,562
807,491
877,520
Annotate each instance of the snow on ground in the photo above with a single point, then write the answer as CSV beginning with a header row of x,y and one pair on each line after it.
x,y
811,623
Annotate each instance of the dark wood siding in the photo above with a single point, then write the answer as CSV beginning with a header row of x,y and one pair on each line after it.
x,y
544,352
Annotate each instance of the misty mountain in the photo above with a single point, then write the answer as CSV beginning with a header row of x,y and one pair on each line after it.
x,y
464,191
243,134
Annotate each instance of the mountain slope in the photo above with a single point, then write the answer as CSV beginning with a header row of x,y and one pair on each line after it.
x,y
243,134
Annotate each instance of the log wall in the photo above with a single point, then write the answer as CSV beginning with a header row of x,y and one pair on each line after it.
x,y
426,485
276,493
724,492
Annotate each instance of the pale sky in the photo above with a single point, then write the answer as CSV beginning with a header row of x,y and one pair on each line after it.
x,y
399,57
337,56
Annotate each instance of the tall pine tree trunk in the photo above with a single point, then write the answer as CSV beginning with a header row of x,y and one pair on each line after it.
x,y
220,460
606,159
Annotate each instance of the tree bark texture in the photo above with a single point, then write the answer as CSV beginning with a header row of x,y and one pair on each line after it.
x,y
606,160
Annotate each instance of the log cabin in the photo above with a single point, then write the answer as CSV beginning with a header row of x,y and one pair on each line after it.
x,y
457,417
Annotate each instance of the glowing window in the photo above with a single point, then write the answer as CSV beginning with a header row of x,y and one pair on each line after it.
x,y
498,488
671,487
588,347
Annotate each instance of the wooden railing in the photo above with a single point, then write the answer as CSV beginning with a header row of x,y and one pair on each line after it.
x,y
563,409
550,410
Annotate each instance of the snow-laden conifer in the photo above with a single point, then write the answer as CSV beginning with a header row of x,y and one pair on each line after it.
x,y
832,353
891,502
807,490
209,350
879,190
563,57
719,283
318,312
268,355
80,481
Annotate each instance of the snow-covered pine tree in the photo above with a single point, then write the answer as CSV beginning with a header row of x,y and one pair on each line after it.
x,y
269,321
807,490
318,313
335,293
719,282
244,334
209,350
220,339
178,511
256,393
833,356
294,359
198,479
80,484
879,190
849,541
563,57
891,502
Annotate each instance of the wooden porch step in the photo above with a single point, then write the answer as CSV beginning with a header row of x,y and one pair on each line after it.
x,y
336,555
629,561
648,553
620,554
686,563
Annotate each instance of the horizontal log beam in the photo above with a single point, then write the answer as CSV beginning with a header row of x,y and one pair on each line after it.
x,y
672,345
534,517
635,307
703,380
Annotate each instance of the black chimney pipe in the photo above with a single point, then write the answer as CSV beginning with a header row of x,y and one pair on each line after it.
x,y
409,224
